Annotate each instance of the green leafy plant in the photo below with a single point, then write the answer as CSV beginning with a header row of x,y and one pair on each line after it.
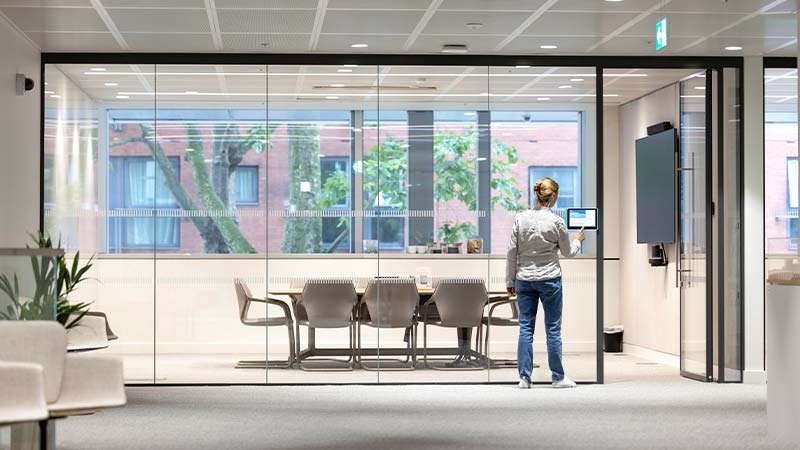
x,y
54,281
455,159
450,233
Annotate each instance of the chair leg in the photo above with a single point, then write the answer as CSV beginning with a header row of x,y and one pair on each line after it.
x,y
292,353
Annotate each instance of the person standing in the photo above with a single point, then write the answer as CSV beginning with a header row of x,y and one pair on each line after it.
x,y
533,274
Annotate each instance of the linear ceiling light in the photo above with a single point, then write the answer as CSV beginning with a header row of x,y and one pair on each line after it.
x,y
311,95
328,74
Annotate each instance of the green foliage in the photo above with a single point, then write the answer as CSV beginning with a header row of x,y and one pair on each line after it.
x,y
455,159
54,280
450,233
384,172
303,233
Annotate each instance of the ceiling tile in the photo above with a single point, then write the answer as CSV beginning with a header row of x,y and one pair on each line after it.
x,y
385,22
476,44
265,21
455,22
626,45
578,24
267,4
751,46
772,25
55,19
493,5
144,4
683,25
74,42
160,20
377,44
280,42
625,6
155,42
566,44
36,3
717,6
380,4
787,48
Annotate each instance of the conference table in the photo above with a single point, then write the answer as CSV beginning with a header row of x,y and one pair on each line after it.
x,y
464,354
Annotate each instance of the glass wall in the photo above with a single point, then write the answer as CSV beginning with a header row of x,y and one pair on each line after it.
x,y
217,198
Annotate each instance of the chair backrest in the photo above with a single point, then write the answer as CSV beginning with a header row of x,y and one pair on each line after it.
x,y
329,302
37,342
460,301
391,302
242,296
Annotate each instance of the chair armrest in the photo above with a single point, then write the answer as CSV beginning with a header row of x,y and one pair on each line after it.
x,y
287,311
494,305
21,393
90,383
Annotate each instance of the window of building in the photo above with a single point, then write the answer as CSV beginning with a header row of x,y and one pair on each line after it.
x,y
336,228
140,201
568,185
245,185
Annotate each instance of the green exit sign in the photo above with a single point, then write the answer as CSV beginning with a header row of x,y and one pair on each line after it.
x,y
661,34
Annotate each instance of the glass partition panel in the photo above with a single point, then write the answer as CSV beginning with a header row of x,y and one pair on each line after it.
x,y
99,198
209,160
322,238
543,126
431,127
28,280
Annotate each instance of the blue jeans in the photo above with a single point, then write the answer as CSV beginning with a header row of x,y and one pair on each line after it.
x,y
528,295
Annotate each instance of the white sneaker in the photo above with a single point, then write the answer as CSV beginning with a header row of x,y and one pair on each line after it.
x,y
524,383
564,383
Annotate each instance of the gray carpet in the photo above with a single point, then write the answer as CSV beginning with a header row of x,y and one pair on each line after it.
x,y
654,414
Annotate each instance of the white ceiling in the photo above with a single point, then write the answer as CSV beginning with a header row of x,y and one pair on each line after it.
x,y
696,27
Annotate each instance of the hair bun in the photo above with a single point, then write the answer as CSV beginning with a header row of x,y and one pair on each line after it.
x,y
537,187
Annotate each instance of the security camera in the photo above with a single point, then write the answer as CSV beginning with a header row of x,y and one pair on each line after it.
x,y
526,117
24,84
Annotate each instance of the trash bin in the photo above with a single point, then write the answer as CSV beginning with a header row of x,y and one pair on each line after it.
x,y
612,339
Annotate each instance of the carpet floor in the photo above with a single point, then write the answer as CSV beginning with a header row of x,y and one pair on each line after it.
x,y
666,413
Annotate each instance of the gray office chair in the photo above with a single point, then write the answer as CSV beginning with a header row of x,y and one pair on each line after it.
x,y
460,303
330,303
390,303
245,299
490,320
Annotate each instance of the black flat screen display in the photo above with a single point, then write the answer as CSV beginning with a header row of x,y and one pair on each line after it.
x,y
655,188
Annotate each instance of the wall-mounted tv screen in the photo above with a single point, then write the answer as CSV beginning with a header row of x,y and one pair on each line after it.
x,y
655,187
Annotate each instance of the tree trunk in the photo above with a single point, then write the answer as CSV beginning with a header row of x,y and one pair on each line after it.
x,y
303,234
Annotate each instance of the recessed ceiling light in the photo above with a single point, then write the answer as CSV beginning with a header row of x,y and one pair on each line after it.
x,y
349,65
359,45
331,97
523,66
123,97
454,48
49,92
564,86
45,83
191,92
469,113
548,47
98,69
543,98
55,96
700,88
110,84
614,1
733,48
337,85
575,80
345,70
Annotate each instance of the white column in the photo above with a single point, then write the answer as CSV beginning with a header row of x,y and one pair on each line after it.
x,y
754,370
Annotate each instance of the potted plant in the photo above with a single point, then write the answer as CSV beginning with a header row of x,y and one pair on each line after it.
x,y
55,280
453,235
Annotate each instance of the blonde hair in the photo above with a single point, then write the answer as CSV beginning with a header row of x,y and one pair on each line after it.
x,y
545,191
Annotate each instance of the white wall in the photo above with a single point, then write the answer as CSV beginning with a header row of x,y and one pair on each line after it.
x,y
649,307
19,140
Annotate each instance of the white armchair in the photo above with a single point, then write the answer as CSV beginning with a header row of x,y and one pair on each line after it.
x,y
21,393
73,384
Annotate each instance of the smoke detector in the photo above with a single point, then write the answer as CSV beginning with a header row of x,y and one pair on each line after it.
x,y
454,48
